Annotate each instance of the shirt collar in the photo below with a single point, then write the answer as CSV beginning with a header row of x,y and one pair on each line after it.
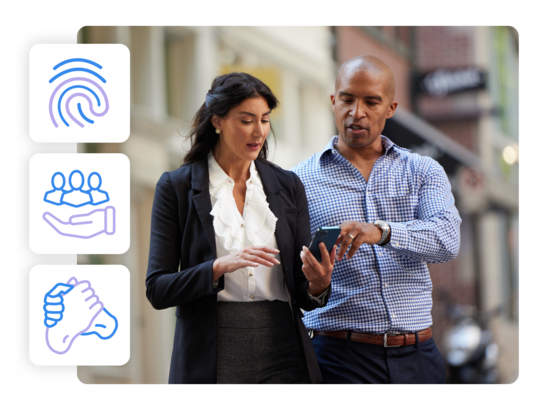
x,y
217,176
330,147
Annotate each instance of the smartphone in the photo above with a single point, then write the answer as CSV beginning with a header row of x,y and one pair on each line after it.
x,y
328,235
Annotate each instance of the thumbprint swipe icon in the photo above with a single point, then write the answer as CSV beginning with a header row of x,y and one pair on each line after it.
x,y
77,79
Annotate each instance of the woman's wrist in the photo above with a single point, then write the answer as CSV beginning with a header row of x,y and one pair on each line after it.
x,y
217,270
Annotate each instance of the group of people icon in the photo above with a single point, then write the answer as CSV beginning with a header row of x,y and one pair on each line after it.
x,y
76,196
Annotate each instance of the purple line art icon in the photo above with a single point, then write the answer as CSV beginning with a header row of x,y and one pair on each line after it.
x,y
85,226
73,309
61,103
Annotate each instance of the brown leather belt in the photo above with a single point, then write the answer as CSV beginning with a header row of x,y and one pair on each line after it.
x,y
386,340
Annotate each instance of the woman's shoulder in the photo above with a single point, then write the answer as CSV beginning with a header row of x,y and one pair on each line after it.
x,y
179,178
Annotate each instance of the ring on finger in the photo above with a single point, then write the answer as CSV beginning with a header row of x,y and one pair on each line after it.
x,y
350,236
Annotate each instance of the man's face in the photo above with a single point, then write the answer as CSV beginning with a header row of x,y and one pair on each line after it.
x,y
361,105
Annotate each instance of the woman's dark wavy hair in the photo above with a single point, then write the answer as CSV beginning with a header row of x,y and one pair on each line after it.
x,y
227,91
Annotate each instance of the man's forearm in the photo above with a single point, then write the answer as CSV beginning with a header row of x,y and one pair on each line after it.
x,y
435,240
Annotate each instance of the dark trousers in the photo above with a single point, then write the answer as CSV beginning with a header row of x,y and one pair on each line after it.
x,y
344,361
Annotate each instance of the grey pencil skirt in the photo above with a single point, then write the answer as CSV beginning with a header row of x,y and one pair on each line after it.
x,y
257,343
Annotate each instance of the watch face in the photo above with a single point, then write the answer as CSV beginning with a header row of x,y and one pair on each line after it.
x,y
382,224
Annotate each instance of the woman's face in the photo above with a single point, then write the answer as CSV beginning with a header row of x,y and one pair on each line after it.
x,y
244,129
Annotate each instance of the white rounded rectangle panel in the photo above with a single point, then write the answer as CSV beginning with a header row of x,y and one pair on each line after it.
x,y
79,203
79,93
79,315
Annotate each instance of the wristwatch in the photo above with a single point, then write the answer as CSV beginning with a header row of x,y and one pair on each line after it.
x,y
385,228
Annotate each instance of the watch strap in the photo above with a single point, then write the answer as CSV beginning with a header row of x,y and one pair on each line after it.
x,y
385,228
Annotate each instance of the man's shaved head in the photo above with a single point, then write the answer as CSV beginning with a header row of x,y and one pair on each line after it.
x,y
369,64
362,102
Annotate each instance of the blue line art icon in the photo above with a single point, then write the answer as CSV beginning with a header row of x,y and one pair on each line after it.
x,y
76,197
65,109
107,331
73,309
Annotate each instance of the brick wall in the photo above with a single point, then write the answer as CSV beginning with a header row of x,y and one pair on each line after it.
x,y
455,115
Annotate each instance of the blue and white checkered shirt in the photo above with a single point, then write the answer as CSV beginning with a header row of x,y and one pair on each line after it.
x,y
382,289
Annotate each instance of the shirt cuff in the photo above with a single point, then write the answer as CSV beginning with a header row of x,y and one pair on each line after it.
x,y
398,236
321,298
215,284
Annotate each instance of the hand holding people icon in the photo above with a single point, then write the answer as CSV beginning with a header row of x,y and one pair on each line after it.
x,y
74,309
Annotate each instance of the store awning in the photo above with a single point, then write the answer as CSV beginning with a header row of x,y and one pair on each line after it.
x,y
409,131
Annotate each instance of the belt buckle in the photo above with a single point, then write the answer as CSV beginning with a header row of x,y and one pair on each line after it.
x,y
385,339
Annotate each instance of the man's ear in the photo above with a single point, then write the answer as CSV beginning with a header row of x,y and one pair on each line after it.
x,y
332,96
391,109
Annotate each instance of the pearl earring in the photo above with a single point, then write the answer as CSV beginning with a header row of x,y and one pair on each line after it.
x,y
217,130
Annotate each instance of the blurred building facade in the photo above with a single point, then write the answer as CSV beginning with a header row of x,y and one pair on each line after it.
x,y
466,130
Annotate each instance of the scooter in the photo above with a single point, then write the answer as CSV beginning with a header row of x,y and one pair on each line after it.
x,y
471,353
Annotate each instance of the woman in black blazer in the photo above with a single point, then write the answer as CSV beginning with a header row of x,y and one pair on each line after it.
x,y
226,341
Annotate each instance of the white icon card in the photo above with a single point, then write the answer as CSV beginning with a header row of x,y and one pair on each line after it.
x,y
79,93
79,315
79,203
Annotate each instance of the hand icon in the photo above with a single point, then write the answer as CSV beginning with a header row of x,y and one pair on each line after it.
x,y
79,307
53,304
85,226
104,326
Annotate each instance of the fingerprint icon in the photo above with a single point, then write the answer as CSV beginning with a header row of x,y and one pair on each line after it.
x,y
84,87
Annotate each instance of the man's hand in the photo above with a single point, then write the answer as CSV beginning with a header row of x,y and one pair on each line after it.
x,y
318,274
356,234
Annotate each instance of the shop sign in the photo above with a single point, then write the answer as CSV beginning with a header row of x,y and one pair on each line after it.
x,y
442,82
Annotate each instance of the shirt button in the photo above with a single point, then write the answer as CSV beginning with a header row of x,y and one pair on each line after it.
x,y
250,182
247,203
332,151
386,285
397,244
251,296
250,274
242,225
393,316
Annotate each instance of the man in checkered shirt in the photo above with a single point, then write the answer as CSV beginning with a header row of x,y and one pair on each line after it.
x,y
397,214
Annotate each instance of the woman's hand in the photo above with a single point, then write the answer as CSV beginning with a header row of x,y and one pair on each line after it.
x,y
252,256
318,274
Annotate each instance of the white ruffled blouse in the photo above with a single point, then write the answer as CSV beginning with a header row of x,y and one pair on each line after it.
x,y
234,231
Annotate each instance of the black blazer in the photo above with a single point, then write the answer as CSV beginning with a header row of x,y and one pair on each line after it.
x,y
182,251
